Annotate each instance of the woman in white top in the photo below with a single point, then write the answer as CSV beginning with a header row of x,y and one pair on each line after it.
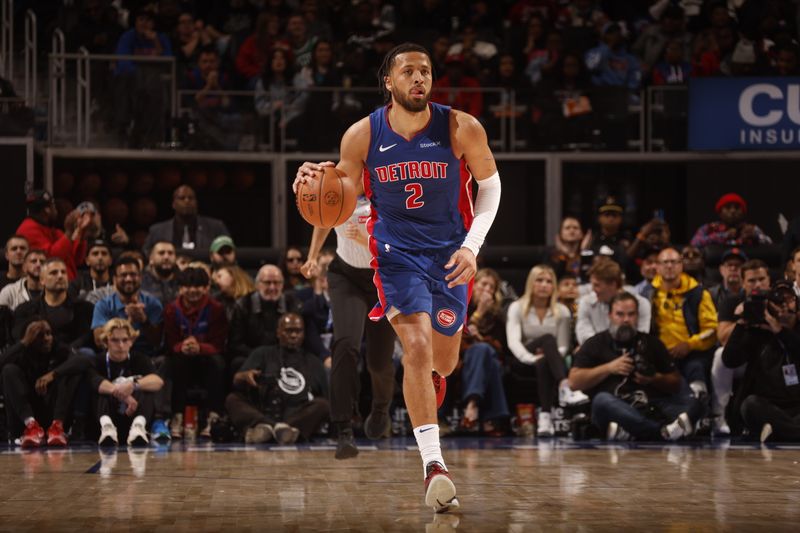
x,y
538,334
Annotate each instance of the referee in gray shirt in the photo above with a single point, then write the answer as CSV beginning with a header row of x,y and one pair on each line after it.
x,y
352,296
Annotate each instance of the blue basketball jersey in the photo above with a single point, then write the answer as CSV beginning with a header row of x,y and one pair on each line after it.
x,y
421,193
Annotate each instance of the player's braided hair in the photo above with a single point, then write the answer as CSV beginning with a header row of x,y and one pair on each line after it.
x,y
388,63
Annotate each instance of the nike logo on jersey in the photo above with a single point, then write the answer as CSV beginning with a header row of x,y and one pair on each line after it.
x,y
383,148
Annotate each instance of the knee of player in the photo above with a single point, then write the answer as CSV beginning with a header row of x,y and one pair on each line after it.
x,y
417,349
445,368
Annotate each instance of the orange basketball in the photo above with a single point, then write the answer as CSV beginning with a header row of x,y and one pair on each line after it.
x,y
328,202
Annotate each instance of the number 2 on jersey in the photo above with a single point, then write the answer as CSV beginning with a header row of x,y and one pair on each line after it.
x,y
413,201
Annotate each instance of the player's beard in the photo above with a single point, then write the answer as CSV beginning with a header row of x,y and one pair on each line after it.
x,y
410,105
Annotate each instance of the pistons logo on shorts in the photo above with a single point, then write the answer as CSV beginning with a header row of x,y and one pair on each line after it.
x,y
445,317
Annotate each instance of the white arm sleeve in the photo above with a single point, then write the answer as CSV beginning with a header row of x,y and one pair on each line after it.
x,y
486,204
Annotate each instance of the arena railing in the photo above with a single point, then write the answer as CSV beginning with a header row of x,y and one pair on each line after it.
x,y
7,39
311,128
57,81
86,69
30,52
506,114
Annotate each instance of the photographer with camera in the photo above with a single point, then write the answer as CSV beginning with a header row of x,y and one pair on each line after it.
x,y
281,390
765,338
755,283
632,380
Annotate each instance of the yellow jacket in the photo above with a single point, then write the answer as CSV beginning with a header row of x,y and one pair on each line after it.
x,y
668,313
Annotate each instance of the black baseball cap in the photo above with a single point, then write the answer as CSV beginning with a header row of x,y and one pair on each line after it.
x,y
38,198
733,253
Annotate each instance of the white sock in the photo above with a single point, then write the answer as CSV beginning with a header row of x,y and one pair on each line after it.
x,y
29,420
428,443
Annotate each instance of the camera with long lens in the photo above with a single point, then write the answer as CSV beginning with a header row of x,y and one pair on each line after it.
x,y
627,340
756,304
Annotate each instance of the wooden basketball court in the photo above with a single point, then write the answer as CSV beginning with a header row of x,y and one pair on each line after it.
x,y
510,485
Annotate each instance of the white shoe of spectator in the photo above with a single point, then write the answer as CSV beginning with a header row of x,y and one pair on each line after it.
x,y
766,433
108,432
567,396
212,419
720,426
615,432
544,425
258,434
699,389
137,435
678,428
286,434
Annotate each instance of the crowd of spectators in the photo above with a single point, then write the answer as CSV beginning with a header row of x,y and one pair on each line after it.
x,y
625,329
567,60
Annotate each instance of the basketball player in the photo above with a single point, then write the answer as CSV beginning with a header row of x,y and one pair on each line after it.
x,y
415,160
352,296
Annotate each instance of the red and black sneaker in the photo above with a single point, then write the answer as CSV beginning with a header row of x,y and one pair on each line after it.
x,y
33,437
56,435
440,387
440,492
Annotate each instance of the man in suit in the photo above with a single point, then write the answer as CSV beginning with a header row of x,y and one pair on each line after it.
x,y
186,230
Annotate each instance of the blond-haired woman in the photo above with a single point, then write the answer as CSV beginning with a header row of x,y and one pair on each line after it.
x,y
538,334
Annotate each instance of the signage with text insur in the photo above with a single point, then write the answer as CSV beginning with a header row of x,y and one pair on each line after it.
x,y
744,114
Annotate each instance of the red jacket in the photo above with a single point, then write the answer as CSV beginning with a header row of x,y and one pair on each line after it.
x,y
208,323
54,243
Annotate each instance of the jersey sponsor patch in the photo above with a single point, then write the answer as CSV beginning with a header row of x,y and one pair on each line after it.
x,y
445,317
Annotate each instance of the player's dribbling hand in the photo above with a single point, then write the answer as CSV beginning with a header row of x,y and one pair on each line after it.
x,y
464,267
309,171
310,269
